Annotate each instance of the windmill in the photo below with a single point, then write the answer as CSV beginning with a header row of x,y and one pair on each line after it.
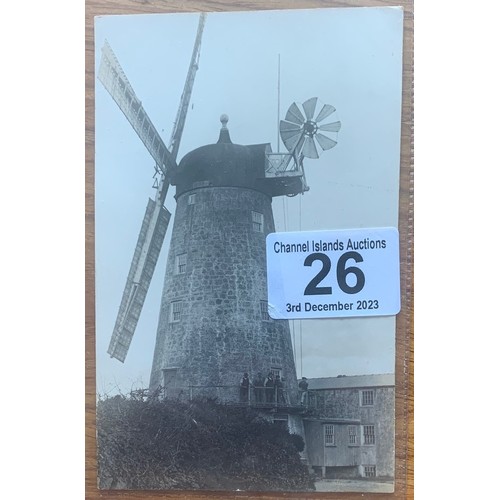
x,y
214,321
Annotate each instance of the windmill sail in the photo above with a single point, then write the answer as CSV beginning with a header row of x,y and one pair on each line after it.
x,y
147,250
112,76
180,120
155,222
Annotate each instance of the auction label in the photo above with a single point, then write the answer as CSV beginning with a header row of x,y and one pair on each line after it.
x,y
333,274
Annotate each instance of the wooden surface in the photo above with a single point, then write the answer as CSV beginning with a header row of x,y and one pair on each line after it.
x,y
404,331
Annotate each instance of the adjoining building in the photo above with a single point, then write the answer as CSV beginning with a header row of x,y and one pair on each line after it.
x,y
351,432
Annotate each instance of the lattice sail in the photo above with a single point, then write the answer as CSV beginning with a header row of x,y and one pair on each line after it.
x,y
112,76
180,120
151,236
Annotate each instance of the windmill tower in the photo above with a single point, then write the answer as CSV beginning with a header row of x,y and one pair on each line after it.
x,y
213,323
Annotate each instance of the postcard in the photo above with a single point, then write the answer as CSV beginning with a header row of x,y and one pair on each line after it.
x,y
246,207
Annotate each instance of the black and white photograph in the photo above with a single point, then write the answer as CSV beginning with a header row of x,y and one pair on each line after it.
x,y
212,132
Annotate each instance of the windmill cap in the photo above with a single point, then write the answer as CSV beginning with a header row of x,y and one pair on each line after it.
x,y
223,164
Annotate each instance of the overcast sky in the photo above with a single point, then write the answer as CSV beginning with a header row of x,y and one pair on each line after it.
x,y
350,58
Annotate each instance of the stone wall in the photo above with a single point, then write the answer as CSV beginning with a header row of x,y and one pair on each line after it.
x,y
221,332
336,405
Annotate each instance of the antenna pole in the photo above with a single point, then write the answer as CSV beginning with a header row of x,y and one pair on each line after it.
x,y
278,121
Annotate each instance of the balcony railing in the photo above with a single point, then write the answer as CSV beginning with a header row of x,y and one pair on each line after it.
x,y
281,164
254,396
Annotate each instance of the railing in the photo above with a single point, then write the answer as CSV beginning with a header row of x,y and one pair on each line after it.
x,y
286,172
258,397
279,164
255,396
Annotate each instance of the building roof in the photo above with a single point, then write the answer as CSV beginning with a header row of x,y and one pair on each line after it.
x,y
351,382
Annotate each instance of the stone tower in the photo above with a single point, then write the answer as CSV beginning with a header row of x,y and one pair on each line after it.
x,y
213,323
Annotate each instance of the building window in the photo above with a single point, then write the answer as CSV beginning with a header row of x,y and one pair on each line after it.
x,y
263,311
368,434
367,398
329,435
175,311
192,199
369,471
276,371
180,263
258,222
353,435
169,377
169,382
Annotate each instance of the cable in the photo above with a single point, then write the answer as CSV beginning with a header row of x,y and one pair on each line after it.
x,y
300,326
284,213
300,321
278,120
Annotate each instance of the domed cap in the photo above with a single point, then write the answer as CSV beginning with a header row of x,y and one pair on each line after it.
x,y
220,164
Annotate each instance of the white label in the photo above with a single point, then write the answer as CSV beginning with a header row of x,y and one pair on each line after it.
x,y
332,274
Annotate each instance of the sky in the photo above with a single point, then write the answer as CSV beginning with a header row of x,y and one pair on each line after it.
x,y
349,58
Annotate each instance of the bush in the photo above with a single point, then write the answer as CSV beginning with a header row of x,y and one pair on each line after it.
x,y
155,444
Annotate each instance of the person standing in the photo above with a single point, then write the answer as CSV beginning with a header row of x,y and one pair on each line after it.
x,y
303,385
244,388
269,385
258,388
280,399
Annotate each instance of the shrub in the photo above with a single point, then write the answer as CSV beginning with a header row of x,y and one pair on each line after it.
x,y
165,444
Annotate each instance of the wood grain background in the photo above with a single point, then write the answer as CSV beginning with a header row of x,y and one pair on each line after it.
x,y
404,324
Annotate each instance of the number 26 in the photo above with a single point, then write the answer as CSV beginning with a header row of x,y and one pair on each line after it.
x,y
342,272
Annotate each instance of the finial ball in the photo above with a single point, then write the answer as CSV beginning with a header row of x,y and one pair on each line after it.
x,y
224,119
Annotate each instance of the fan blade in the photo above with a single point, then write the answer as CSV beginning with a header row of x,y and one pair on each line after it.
x,y
330,127
300,144
309,107
326,111
151,236
324,141
309,150
285,126
294,115
287,134
290,134
290,138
